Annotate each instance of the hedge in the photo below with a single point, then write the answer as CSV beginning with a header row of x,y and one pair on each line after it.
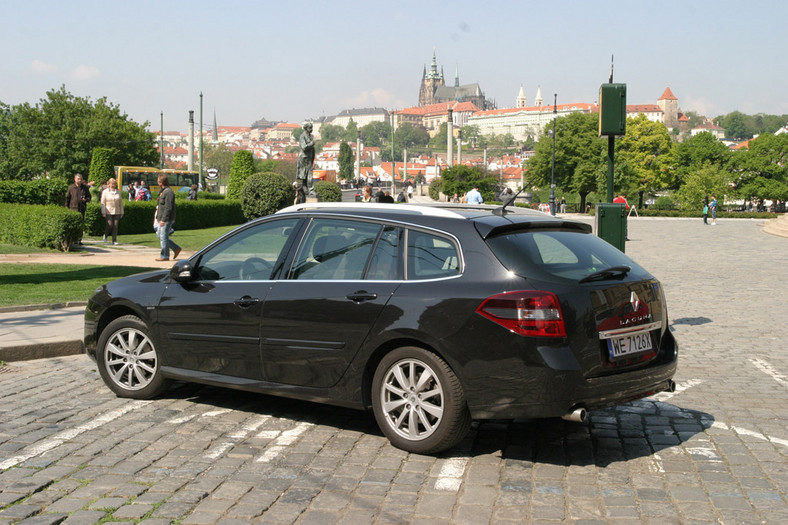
x,y
54,227
39,191
190,215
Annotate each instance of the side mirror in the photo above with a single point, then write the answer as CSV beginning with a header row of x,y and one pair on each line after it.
x,y
182,272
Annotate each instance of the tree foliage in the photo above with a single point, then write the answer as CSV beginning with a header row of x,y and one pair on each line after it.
x,y
240,170
375,134
102,166
345,160
57,136
461,178
762,169
640,156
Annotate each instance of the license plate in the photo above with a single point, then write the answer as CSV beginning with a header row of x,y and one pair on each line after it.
x,y
629,344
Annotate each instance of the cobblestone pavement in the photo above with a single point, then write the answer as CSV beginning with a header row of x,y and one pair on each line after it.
x,y
715,451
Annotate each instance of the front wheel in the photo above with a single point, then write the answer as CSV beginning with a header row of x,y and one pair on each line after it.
x,y
418,401
127,359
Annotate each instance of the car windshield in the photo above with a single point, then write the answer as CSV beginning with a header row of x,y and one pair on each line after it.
x,y
559,255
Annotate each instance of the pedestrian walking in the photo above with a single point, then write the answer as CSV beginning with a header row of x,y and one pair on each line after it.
x,y
77,199
713,210
112,209
473,196
165,218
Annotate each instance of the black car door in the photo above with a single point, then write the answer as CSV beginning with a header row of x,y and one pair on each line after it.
x,y
212,324
315,321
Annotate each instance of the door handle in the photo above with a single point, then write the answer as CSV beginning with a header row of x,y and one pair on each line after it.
x,y
246,301
361,296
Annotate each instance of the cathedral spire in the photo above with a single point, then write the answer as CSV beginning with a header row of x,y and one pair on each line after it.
x,y
457,76
215,136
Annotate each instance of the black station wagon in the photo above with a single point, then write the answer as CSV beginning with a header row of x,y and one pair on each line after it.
x,y
429,315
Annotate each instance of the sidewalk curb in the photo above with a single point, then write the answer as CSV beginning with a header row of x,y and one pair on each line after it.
x,y
32,307
41,351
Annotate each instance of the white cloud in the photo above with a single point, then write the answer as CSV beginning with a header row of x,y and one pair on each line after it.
x,y
41,67
85,73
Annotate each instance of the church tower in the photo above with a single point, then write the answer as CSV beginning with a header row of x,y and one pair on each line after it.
x,y
538,100
430,81
522,102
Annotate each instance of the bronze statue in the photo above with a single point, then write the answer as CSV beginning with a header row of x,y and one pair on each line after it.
x,y
306,158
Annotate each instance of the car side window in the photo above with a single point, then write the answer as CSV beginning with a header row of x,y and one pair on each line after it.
x,y
249,255
334,249
431,256
384,265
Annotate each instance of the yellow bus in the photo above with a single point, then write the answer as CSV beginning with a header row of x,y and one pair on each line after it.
x,y
180,180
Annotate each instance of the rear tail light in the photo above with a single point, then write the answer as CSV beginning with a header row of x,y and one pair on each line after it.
x,y
530,313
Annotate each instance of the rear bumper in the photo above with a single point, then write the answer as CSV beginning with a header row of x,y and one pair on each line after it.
x,y
541,392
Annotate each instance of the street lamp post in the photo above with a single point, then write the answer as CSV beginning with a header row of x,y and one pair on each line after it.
x,y
552,169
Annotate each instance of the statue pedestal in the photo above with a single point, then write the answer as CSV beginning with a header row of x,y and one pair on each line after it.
x,y
312,199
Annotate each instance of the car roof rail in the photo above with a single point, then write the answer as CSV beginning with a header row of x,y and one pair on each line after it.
x,y
408,208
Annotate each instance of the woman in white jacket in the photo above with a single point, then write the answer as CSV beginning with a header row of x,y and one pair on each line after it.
x,y
111,209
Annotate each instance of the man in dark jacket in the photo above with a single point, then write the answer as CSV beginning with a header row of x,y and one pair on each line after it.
x,y
77,199
165,219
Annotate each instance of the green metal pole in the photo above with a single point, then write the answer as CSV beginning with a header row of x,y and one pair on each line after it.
x,y
611,148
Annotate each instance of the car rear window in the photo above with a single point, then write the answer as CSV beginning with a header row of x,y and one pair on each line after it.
x,y
558,254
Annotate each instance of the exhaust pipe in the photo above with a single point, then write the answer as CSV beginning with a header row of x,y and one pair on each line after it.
x,y
671,385
578,415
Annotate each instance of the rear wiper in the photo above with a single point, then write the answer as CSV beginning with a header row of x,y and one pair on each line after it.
x,y
607,273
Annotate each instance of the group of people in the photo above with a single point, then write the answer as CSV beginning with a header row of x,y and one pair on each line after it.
x,y
473,196
78,196
710,206
138,191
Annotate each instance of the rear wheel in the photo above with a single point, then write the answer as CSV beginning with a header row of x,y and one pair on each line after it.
x,y
418,401
127,359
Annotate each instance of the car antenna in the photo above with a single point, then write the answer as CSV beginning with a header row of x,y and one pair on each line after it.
x,y
501,211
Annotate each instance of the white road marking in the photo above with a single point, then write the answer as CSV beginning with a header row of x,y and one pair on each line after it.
x,y
450,476
752,433
680,387
769,370
288,437
179,420
239,435
58,439
215,413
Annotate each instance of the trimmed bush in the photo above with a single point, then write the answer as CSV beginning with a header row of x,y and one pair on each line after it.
x,y
241,169
53,227
190,215
328,191
436,186
664,203
264,194
39,191
102,167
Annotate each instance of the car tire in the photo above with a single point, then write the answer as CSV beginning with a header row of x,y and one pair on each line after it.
x,y
418,401
128,361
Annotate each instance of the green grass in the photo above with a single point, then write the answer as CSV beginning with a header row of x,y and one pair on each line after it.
x,y
25,284
191,240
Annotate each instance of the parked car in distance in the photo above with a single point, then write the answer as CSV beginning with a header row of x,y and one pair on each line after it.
x,y
429,316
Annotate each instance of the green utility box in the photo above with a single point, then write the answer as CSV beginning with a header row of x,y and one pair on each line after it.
x,y
611,223
612,110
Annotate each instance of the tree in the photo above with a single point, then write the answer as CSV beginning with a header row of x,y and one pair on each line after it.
x,y
702,183
102,167
240,170
461,178
351,132
58,134
218,156
579,155
438,141
375,134
330,133
735,127
763,168
346,160
642,151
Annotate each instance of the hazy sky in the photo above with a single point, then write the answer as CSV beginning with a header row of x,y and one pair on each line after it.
x,y
293,60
